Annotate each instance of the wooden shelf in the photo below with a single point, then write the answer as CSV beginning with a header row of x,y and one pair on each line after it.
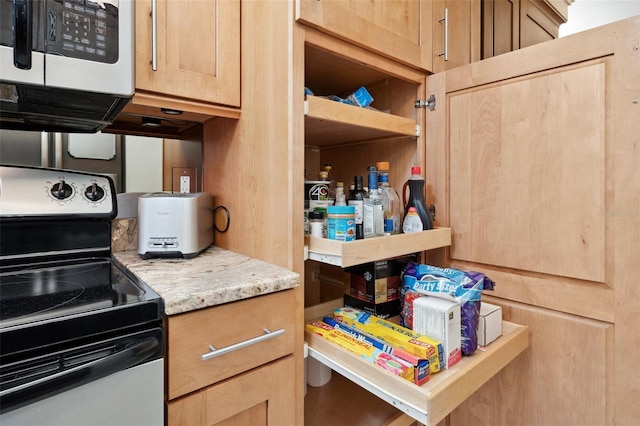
x,y
329,123
445,390
345,254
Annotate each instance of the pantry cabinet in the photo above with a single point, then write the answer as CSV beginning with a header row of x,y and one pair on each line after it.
x,y
539,196
226,363
456,33
187,60
532,158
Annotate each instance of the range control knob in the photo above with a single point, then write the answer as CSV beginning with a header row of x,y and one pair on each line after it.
x,y
94,192
61,190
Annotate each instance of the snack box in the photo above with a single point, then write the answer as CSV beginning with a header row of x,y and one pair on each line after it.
x,y
440,319
420,365
394,335
363,349
490,323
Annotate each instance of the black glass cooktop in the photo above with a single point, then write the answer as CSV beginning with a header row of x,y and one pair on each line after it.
x,y
50,302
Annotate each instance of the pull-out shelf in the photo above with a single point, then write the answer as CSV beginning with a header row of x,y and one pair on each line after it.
x,y
345,254
433,401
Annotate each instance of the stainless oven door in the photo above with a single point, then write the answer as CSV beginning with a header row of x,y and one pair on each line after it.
x,y
113,382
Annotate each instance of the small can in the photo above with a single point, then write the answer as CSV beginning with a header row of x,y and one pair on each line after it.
x,y
341,223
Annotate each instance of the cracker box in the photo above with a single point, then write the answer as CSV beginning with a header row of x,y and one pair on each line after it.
x,y
420,365
394,335
440,319
363,349
375,286
489,324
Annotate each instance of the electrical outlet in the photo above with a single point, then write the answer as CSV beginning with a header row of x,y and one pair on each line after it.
x,y
185,184
184,180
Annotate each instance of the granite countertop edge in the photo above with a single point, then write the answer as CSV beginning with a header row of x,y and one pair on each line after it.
x,y
214,277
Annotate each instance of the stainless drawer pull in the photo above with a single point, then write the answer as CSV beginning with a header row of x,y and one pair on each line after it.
x,y
266,336
154,36
446,35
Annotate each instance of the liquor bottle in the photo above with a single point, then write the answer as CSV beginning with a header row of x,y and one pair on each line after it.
x,y
341,198
356,198
373,217
332,181
392,208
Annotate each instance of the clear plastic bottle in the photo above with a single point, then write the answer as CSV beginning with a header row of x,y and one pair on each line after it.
x,y
412,222
416,197
341,198
356,198
391,200
373,217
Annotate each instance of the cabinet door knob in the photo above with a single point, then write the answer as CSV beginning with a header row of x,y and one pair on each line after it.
x,y
266,336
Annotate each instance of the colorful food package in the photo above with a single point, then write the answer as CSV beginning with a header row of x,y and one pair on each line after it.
x,y
464,286
394,335
420,365
363,349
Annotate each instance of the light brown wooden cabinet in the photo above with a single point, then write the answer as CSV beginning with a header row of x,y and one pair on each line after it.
x,y
509,25
538,146
512,219
226,363
456,33
187,61
396,29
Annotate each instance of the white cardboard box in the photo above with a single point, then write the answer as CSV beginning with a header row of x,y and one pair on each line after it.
x,y
440,319
490,323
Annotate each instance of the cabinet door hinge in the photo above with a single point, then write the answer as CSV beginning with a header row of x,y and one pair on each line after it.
x,y
429,103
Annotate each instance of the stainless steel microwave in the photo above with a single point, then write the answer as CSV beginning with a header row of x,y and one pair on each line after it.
x,y
65,65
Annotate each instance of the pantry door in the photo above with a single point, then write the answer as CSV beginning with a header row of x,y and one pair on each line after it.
x,y
532,161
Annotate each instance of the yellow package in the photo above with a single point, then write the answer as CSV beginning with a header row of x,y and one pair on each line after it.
x,y
394,335
363,349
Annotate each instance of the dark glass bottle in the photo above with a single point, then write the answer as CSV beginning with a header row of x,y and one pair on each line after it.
x,y
356,198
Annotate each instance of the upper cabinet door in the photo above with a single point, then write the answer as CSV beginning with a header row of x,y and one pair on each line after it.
x,y
399,29
456,33
194,51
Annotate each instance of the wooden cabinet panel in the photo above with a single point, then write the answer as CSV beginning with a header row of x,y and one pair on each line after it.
x,y
258,397
526,193
459,35
538,23
190,334
501,27
539,120
198,50
399,29
569,356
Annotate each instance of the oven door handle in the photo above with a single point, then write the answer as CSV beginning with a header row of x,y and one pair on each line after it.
x,y
47,386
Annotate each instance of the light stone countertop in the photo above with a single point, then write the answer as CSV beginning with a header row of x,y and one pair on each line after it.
x,y
213,277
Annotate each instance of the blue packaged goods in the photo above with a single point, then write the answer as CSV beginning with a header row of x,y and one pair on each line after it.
x,y
463,286
341,223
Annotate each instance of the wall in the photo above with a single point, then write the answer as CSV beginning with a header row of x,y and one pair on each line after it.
x,y
585,14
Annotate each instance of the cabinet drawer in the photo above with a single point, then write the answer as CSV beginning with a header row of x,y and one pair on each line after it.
x,y
238,327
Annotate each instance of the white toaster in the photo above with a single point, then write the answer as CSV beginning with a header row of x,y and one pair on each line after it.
x,y
174,224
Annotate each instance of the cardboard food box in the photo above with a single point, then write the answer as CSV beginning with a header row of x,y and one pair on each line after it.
x,y
375,286
440,319
363,349
394,335
489,324
420,365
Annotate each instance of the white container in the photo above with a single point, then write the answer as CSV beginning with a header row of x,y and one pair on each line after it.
x,y
318,374
440,319
489,324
